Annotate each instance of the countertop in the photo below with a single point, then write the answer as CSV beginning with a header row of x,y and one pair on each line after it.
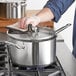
x,y
64,55
66,59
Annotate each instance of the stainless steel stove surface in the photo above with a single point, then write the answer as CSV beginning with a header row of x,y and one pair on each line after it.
x,y
7,69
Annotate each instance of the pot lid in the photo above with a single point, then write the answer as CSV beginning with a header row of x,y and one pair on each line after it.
x,y
37,34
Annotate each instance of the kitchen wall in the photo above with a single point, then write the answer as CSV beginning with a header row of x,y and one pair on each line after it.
x,y
35,4
67,17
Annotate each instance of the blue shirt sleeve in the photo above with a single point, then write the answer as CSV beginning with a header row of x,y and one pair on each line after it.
x,y
58,7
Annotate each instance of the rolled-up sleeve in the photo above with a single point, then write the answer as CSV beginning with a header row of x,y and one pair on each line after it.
x,y
58,7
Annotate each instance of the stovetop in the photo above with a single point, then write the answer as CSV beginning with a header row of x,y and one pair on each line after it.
x,y
7,69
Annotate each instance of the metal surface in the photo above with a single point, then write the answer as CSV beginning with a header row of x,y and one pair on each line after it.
x,y
16,10
63,53
62,28
30,36
13,8
34,53
39,49
10,70
11,1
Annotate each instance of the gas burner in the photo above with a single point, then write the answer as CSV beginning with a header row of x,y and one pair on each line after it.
x,y
8,69
52,70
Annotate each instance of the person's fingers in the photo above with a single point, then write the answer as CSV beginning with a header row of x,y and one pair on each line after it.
x,y
29,21
33,20
22,23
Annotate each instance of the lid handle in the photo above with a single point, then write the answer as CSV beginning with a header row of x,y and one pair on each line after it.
x,y
30,28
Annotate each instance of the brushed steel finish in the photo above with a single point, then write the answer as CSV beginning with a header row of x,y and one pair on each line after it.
x,y
34,53
16,10
21,56
47,52
40,49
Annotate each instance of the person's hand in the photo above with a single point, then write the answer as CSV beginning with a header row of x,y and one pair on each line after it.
x,y
34,20
22,23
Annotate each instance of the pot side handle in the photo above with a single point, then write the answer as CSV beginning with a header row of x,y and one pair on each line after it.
x,y
15,45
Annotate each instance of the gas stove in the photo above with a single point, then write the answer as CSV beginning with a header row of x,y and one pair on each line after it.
x,y
8,69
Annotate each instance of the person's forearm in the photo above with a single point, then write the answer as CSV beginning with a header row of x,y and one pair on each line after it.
x,y
45,15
